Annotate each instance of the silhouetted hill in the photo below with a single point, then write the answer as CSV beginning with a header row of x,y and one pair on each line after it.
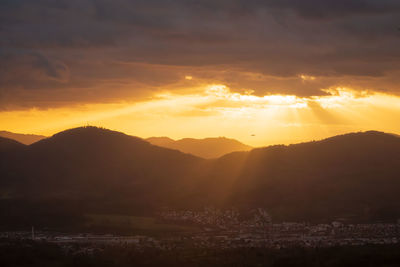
x,y
90,170
26,139
10,150
96,170
205,148
98,161
7,144
353,176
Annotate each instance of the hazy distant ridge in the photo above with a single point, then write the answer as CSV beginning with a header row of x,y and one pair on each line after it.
x,y
205,148
26,139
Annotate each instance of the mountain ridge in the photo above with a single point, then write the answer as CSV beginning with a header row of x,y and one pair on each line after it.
x,y
210,147
26,139
354,176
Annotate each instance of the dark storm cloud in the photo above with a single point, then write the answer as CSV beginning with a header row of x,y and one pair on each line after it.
x,y
331,9
100,49
22,68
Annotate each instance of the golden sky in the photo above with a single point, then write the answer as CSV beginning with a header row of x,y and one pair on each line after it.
x,y
213,110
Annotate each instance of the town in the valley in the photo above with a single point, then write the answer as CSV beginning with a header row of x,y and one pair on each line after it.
x,y
223,229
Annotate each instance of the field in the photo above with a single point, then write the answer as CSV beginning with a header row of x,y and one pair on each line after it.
x,y
134,225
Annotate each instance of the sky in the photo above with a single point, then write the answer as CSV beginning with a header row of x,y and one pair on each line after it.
x,y
263,72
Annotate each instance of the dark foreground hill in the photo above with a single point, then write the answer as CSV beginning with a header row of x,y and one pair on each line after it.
x,y
206,148
91,170
96,162
9,152
349,176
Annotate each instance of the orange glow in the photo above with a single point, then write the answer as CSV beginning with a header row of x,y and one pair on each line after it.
x,y
214,110
307,77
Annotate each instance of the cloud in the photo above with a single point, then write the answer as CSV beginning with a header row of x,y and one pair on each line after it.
x,y
103,50
334,9
28,69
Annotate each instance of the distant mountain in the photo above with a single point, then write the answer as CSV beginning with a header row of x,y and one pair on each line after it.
x,y
205,148
26,139
91,170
